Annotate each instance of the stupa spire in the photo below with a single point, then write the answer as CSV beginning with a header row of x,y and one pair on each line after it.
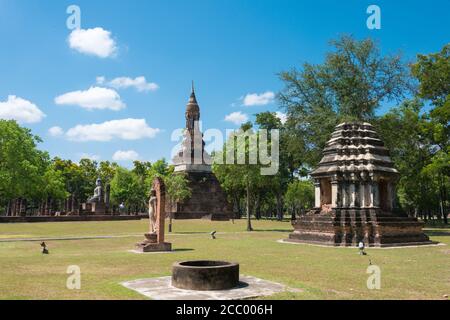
x,y
193,109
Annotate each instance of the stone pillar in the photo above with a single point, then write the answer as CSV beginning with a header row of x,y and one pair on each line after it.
x,y
362,194
352,194
374,194
335,194
367,194
394,195
357,194
317,194
160,188
390,196
344,192
154,242
376,197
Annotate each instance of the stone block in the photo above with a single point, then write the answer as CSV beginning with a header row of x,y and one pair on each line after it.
x,y
153,247
350,226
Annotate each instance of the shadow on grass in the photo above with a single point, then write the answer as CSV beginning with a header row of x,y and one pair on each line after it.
x,y
182,249
434,233
243,230
272,230
188,232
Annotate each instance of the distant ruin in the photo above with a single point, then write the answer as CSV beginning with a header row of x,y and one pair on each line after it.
x,y
208,200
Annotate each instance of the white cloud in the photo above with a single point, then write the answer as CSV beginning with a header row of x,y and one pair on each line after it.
x,y
100,80
21,110
282,116
237,117
55,131
139,83
254,99
93,157
125,129
97,42
93,98
129,155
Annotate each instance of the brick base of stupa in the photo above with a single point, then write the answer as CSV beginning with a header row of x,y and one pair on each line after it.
x,y
347,227
207,201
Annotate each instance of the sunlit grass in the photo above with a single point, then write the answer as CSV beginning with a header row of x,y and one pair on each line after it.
x,y
322,273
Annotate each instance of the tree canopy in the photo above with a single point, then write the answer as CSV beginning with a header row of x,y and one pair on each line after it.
x,y
350,85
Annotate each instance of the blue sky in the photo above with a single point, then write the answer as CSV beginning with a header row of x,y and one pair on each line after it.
x,y
231,49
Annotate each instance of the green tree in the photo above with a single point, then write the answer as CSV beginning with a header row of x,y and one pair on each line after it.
x,y
160,168
350,85
177,186
403,131
142,174
75,183
53,185
121,187
106,171
246,174
231,182
132,187
276,184
89,175
299,196
22,165
433,73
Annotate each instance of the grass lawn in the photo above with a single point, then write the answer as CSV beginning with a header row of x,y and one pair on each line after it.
x,y
322,273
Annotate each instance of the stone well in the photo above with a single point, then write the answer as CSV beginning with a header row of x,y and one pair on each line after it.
x,y
204,275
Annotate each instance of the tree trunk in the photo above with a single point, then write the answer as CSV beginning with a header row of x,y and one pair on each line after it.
x,y
237,205
16,207
279,207
170,222
19,206
8,208
258,207
442,199
293,213
13,207
249,221
72,203
46,207
24,206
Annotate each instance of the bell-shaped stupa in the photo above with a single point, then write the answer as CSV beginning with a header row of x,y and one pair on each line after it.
x,y
207,200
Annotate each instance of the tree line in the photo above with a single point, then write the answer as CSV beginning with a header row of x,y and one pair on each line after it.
x,y
33,184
